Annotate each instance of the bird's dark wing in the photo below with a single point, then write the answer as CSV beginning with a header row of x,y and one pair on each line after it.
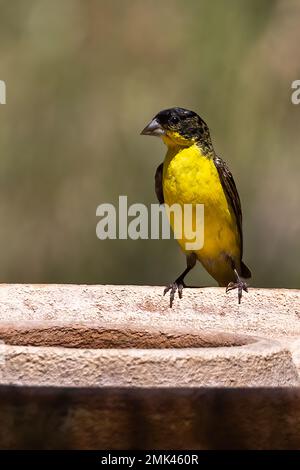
x,y
231,193
158,183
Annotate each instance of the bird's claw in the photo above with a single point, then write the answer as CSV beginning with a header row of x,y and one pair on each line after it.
x,y
175,286
240,285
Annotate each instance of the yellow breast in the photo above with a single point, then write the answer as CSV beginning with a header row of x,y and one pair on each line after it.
x,y
189,177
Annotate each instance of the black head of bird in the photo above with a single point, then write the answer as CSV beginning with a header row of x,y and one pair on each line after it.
x,y
179,127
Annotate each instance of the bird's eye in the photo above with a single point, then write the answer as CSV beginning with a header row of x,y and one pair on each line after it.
x,y
174,120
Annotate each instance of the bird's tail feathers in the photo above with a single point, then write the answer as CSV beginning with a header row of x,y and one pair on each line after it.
x,y
245,271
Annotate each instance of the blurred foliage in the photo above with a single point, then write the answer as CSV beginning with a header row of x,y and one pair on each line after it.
x,y
84,77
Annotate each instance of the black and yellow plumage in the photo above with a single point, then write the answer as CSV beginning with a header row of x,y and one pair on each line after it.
x,y
192,173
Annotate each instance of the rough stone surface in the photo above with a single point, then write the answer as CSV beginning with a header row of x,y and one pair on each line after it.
x,y
114,367
263,312
128,336
264,363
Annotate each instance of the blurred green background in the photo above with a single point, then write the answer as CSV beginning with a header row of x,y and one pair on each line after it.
x,y
84,77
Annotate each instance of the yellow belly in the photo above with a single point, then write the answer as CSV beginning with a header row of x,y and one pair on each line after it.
x,y
192,178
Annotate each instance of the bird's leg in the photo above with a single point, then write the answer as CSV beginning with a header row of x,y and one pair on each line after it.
x,y
239,284
179,284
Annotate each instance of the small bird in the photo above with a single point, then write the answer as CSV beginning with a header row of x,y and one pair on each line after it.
x,y
192,173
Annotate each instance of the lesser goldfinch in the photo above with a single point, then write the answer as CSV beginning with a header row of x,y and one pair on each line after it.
x,y
192,173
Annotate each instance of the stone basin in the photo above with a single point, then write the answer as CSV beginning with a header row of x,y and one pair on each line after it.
x,y
114,367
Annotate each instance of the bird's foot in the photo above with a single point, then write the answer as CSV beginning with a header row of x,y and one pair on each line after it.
x,y
176,286
240,285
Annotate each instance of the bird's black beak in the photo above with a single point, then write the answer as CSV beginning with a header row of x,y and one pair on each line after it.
x,y
153,128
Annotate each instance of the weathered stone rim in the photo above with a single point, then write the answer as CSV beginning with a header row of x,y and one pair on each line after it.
x,y
263,363
68,328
